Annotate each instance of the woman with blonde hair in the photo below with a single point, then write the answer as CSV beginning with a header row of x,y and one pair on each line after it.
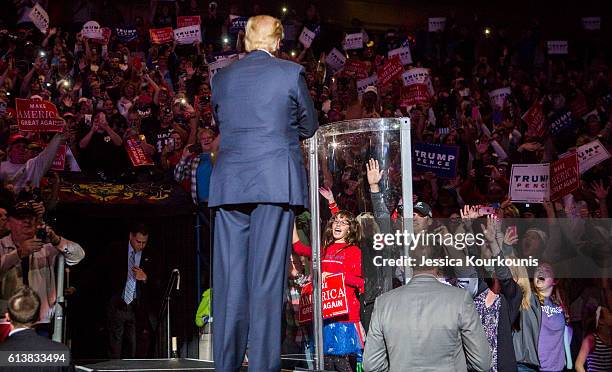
x,y
541,336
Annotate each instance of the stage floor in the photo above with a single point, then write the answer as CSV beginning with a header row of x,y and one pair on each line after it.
x,y
289,363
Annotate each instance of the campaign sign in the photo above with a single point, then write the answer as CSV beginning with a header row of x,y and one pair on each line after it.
x,y
534,117
126,35
217,65
417,75
442,160
557,47
591,154
106,34
353,41
355,68
137,155
38,116
560,122
237,24
40,18
564,176
498,97
414,94
161,35
59,163
437,24
591,23
335,60
306,37
91,30
403,53
364,83
391,70
188,35
333,299
186,21
529,183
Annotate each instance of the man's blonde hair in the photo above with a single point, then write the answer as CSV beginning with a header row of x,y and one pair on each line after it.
x,y
263,32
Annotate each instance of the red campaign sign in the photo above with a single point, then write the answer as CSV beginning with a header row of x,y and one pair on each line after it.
x,y
186,21
59,163
391,70
161,35
333,299
564,176
535,119
355,68
35,115
136,153
414,94
106,34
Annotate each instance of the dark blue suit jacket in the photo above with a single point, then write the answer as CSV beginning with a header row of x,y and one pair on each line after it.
x,y
263,109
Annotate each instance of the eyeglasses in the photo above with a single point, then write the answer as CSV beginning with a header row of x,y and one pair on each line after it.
x,y
341,222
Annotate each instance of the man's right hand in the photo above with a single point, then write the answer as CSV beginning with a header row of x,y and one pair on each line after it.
x,y
374,175
27,247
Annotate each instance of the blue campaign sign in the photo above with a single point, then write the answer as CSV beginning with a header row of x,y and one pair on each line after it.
x,y
441,160
560,121
125,35
238,24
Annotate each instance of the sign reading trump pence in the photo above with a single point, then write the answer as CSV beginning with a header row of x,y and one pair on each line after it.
x,y
333,299
530,183
439,159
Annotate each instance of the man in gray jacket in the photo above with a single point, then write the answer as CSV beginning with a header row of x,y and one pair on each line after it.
x,y
426,325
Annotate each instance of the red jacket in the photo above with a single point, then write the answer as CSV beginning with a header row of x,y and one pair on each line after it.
x,y
339,260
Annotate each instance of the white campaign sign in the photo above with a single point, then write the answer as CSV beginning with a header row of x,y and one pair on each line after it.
x,y
591,154
335,60
530,183
403,53
217,65
187,35
437,24
353,41
417,75
306,37
92,30
557,47
364,83
40,18
591,23
498,96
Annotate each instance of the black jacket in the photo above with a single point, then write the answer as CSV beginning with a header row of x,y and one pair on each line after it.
x,y
148,295
28,341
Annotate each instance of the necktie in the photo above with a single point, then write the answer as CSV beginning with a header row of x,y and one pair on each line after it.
x,y
130,285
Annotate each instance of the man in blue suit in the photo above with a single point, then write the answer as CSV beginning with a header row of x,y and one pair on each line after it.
x,y
263,108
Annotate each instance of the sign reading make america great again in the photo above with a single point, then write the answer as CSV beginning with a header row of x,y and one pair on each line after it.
x,y
37,116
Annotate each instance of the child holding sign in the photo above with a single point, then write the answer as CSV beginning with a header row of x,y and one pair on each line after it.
x,y
343,336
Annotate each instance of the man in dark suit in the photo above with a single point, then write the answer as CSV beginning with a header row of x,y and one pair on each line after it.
x,y
134,297
263,109
23,313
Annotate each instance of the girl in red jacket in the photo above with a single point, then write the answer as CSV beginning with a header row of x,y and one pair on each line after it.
x,y
343,336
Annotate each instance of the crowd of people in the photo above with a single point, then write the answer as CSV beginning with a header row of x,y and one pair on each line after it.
x,y
118,92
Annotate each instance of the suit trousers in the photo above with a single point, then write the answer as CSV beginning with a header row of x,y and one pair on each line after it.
x,y
121,326
252,245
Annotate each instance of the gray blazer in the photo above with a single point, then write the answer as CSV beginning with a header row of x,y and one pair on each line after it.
x,y
263,108
426,326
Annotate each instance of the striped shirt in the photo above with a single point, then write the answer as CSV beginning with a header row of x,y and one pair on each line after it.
x,y
600,358
189,166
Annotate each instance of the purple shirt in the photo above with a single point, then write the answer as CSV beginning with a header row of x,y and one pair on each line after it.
x,y
550,345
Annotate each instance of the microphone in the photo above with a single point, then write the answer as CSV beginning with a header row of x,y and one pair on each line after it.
x,y
178,278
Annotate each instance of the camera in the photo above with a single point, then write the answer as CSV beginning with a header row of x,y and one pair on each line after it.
x,y
195,148
41,234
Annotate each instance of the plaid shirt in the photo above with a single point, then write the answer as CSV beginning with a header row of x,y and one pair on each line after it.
x,y
190,164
